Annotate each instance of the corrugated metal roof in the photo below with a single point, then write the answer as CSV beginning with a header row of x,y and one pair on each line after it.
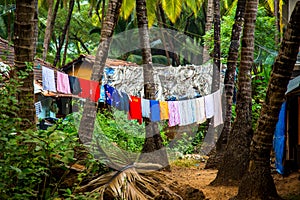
x,y
7,57
293,84
91,59
6,52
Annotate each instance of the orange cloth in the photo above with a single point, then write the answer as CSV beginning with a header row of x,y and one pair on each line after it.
x,y
164,110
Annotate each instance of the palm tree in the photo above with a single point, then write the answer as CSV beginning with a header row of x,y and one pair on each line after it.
x,y
210,135
50,24
87,122
229,83
217,50
231,68
236,157
24,52
208,26
153,141
63,35
258,183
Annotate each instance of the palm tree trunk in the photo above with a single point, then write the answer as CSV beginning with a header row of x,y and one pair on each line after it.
x,y
103,12
258,183
236,157
229,83
174,56
50,24
36,26
63,35
9,26
210,135
24,52
208,26
217,47
66,48
87,122
153,150
276,9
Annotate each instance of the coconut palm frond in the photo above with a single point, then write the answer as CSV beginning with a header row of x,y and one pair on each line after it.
x,y
127,8
125,184
151,10
172,9
135,193
271,5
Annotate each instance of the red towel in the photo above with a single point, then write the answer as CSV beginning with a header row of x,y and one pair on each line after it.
x,y
135,108
90,89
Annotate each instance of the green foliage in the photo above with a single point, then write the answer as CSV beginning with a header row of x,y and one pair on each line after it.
x,y
27,161
79,32
34,164
127,8
8,106
264,35
187,163
256,107
186,143
128,135
172,9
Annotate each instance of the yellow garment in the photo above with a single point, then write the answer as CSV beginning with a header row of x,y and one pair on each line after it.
x,y
164,110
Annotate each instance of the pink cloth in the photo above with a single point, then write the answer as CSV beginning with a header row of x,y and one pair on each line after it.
x,y
62,83
174,117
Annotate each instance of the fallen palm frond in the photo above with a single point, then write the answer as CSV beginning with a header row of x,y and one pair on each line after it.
x,y
126,183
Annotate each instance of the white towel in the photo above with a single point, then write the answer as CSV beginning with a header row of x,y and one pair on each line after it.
x,y
200,110
209,106
146,108
192,114
184,109
48,79
218,114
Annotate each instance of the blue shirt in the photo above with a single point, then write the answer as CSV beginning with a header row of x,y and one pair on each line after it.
x,y
154,111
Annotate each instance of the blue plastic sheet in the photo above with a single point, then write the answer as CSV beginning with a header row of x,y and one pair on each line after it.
x,y
279,139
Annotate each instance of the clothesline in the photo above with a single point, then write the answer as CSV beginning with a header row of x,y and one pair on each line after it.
x,y
181,113
67,84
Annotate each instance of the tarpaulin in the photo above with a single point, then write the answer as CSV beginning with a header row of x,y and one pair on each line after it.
x,y
279,139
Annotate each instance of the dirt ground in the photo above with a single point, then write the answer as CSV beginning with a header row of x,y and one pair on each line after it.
x,y
198,177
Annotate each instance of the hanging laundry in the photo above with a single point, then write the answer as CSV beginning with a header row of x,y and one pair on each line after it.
x,y
174,117
184,112
85,88
135,108
38,108
209,105
124,102
200,110
218,115
102,94
48,79
146,108
164,110
108,94
62,83
74,85
192,104
154,111
94,91
116,99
